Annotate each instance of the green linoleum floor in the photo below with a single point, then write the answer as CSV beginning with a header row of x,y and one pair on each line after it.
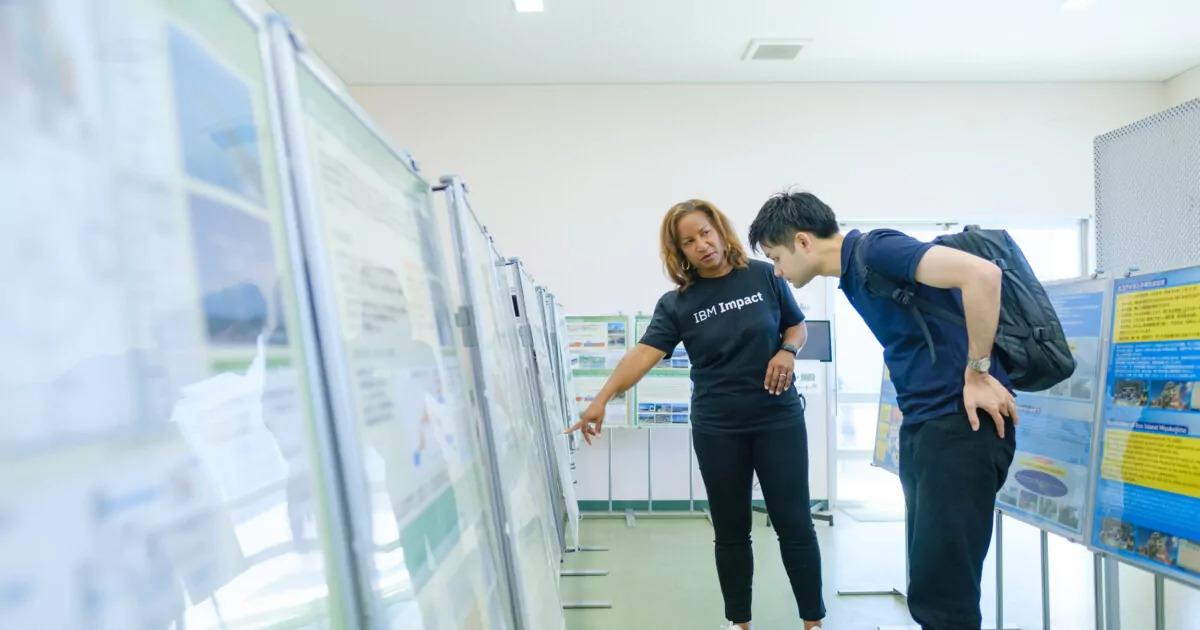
x,y
662,575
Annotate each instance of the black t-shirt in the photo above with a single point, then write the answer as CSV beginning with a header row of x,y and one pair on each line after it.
x,y
731,327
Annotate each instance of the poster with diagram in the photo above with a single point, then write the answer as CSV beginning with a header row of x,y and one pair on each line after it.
x,y
1049,478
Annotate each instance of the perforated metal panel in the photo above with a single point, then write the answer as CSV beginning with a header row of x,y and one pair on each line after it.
x,y
1148,193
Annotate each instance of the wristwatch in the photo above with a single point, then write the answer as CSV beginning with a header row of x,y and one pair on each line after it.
x,y
982,366
790,348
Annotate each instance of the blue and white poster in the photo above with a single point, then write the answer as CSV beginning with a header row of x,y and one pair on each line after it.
x,y
1048,481
1147,495
887,430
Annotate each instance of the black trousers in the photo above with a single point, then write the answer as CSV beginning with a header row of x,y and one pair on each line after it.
x,y
780,457
950,475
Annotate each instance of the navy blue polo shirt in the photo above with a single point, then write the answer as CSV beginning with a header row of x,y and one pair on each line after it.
x,y
731,327
924,390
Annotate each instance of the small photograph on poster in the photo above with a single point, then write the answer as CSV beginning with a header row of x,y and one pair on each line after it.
x,y
1028,501
1068,516
590,362
1131,393
1007,495
1157,546
1047,508
616,334
1171,395
235,256
1189,555
1117,534
217,130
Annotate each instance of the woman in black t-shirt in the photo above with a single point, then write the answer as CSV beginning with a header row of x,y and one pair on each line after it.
x,y
741,328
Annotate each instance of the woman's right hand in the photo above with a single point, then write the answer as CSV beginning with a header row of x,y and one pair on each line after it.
x,y
590,422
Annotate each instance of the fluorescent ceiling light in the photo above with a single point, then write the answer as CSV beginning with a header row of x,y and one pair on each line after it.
x,y
1077,5
528,6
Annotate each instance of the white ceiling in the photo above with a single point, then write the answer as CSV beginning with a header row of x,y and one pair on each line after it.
x,y
702,41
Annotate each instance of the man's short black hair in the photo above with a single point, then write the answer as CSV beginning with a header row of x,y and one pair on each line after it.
x,y
786,213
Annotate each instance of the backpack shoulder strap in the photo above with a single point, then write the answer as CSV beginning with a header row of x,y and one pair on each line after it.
x,y
903,294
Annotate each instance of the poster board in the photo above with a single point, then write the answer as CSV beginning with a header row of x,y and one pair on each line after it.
x,y
1146,496
1049,479
886,454
162,458
529,312
597,342
678,359
595,345
664,395
410,448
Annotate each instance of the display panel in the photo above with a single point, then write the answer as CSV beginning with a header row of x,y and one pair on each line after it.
x,y
516,432
1147,465
887,430
431,545
1049,479
678,357
597,342
159,437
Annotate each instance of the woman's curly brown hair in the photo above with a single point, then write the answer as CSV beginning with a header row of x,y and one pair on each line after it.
x,y
675,263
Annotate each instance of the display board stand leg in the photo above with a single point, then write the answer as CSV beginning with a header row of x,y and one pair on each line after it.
x,y
1112,595
583,572
649,472
630,519
883,591
1045,580
1098,589
999,569
587,605
1160,603
691,489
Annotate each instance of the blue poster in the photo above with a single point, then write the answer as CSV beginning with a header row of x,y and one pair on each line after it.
x,y
1049,478
1147,495
887,429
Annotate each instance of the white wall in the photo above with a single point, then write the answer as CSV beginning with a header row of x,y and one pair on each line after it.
x,y
574,179
1184,87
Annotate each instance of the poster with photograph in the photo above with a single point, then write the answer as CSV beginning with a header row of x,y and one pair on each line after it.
x,y
597,342
1147,491
1049,478
887,431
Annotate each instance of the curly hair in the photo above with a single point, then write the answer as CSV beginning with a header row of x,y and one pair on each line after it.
x,y
675,263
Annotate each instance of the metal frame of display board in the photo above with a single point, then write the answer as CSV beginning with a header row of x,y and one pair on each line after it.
x,y
520,279
463,219
536,397
285,52
1108,567
459,224
556,350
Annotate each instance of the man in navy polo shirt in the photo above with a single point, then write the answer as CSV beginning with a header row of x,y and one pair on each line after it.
x,y
950,467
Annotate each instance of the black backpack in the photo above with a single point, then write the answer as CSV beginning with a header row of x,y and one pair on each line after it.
x,y
1029,341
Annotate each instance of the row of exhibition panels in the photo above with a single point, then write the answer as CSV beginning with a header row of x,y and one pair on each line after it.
x,y
1110,458
267,374
596,344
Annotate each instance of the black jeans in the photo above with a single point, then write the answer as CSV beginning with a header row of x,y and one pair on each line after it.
x,y
780,457
950,475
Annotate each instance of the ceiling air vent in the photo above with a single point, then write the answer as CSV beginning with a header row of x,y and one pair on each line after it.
x,y
774,49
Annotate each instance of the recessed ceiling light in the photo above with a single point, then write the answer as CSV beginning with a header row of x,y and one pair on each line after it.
x,y
1077,5
528,6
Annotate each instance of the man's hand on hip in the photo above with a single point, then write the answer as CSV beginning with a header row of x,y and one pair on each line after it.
x,y
983,392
